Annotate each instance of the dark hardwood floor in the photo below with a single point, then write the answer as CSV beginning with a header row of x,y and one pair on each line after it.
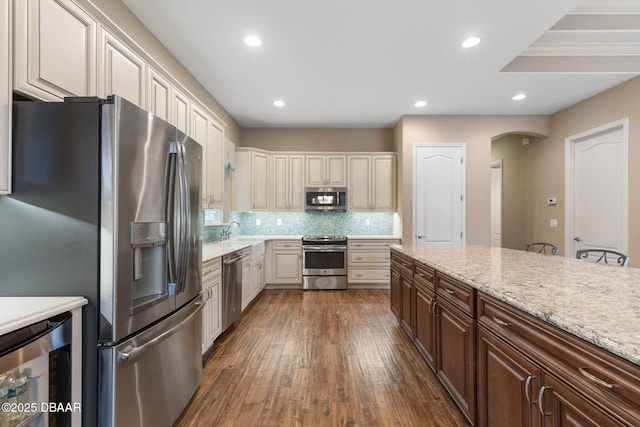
x,y
318,358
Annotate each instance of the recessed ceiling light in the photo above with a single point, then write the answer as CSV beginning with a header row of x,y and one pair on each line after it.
x,y
278,103
253,41
471,42
420,103
519,97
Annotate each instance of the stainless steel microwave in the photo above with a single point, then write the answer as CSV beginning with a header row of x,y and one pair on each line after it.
x,y
326,199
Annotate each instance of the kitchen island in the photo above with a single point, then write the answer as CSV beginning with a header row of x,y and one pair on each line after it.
x,y
545,336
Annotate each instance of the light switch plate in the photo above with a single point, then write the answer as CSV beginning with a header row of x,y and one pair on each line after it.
x,y
553,223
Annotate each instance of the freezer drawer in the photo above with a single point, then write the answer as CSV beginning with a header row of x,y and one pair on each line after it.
x,y
147,380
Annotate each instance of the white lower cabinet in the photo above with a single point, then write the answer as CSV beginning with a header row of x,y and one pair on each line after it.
x,y
211,314
257,276
246,282
285,262
369,262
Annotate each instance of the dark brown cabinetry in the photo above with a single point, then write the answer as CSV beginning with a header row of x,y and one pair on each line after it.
x,y
425,328
395,290
506,384
406,290
504,367
402,290
456,342
573,383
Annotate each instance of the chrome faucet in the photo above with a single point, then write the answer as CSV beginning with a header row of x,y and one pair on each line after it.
x,y
226,234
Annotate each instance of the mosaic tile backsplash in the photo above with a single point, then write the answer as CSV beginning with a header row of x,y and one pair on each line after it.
x,y
301,223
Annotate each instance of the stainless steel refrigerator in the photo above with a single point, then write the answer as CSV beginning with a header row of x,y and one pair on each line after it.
x,y
106,205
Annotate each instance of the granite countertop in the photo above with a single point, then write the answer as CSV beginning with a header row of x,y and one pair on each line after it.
x,y
598,303
18,312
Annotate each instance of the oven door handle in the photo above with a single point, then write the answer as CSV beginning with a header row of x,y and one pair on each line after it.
x,y
324,248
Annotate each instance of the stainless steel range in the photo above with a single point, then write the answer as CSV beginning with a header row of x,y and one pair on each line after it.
x,y
324,262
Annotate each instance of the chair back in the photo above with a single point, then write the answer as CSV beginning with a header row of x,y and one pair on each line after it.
x,y
542,248
603,256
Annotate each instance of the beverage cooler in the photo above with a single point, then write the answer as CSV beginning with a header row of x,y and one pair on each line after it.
x,y
35,374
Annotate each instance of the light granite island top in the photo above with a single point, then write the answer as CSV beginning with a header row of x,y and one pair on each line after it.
x,y
598,303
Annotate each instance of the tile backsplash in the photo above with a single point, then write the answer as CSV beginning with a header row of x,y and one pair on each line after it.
x,y
300,223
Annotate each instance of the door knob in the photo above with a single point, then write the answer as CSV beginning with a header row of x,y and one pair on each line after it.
x,y
421,237
578,239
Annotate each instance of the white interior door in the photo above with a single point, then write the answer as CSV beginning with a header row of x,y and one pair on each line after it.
x,y
439,199
496,203
597,189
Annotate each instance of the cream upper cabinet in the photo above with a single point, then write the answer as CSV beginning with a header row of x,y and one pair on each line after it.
x,y
158,94
383,177
372,182
5,96
215,164
210,135
251,180
288,186
259,181
55,49
359,196
199,132
180,111
120,70
326,170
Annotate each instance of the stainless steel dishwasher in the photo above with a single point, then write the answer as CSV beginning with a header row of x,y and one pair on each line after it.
x,y
231,288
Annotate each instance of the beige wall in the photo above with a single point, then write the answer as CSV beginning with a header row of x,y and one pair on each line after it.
x,y
518,180
129,23
318,139
477,132
548,159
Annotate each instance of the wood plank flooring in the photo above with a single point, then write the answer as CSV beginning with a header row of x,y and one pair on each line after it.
x,y
318,358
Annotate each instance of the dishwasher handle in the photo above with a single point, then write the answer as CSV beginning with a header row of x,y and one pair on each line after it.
x,y
230,259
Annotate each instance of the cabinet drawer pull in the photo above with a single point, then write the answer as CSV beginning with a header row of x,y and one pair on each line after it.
x,y
540,397
358,258
527,389
500,322
449,291
597,380
358,275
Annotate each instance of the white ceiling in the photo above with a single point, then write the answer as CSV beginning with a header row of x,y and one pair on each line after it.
x,y
363,63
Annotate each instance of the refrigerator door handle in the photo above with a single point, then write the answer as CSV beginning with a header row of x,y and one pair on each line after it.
x,y
134,352
170,203
182,235
186,218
